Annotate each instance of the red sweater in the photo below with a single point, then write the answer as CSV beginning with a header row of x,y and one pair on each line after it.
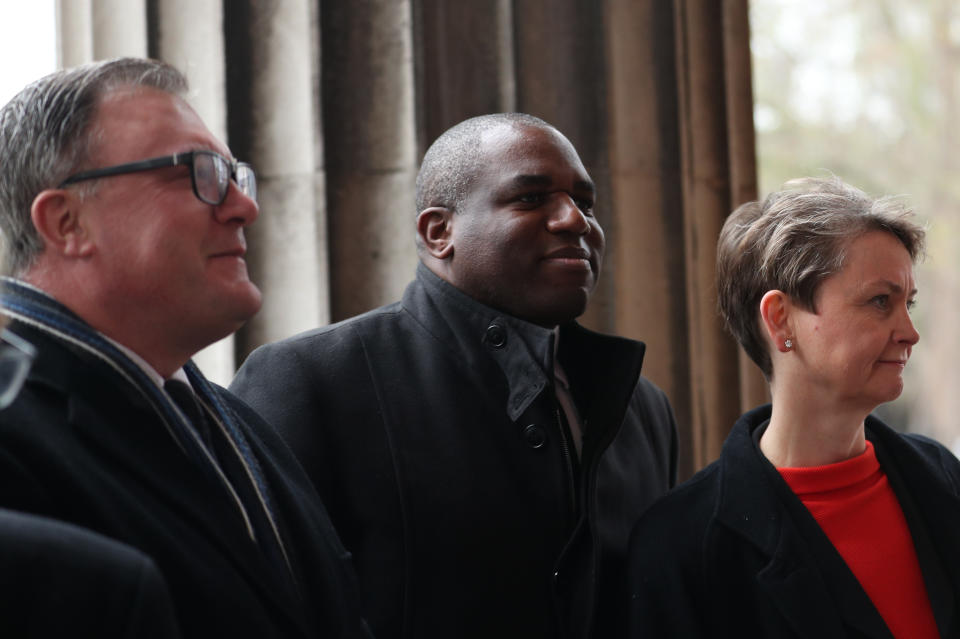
x,y
859,512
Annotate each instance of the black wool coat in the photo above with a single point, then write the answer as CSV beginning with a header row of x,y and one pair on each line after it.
x,y
430,428
733,553
60,580
82,443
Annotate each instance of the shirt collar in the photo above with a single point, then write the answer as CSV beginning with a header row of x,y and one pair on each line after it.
x,y
558,371
151,372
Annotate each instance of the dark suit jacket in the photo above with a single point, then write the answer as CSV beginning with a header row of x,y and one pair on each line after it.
x,y
430,428
59,580
82,443
734,553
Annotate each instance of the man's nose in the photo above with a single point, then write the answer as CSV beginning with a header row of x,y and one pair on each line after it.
x,y
237,207
567,216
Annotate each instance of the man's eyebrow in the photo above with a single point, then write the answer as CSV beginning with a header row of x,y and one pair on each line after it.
x,y
584,185
532,180
546,180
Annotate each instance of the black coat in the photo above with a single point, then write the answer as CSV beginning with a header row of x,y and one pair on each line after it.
x,y
85,444
430,428
59,580
734,553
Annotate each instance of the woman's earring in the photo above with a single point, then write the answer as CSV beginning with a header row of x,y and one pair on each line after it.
x,y
788,343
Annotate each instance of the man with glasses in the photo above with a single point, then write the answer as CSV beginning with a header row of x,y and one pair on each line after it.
x,y
123,224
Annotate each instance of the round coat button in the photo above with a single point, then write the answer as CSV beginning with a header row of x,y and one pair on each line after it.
x,y
535,436
496,336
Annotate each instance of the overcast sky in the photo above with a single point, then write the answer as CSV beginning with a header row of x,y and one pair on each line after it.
x,y
27,43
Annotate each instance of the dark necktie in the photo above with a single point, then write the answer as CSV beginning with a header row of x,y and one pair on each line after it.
x,y
226,457
182,395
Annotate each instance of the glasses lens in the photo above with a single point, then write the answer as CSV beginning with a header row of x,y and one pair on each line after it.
x,y
211,176
247,180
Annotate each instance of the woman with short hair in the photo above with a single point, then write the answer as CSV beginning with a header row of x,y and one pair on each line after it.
x,y
817,520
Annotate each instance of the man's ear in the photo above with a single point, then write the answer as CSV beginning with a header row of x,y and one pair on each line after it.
x,y
57,216
435,229
775,310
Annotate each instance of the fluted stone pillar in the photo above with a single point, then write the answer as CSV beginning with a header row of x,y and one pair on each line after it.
x,y
189,35
276,124
75,32
457,81
743,158
370,150
119,28
647,231
707,201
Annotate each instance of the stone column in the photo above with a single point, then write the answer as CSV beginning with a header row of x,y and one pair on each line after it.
x,y
189,35
454,81
370,150
274,117
646,258
75,32
743,156
705,166
288,244
119,28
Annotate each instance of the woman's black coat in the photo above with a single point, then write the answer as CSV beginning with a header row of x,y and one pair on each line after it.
x,y
734,553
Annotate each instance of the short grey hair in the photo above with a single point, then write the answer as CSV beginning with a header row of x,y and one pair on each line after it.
x,y
450,165
46,135
794,240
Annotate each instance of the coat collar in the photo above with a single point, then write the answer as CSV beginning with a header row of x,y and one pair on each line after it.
x,y
476,333
603,370
922,484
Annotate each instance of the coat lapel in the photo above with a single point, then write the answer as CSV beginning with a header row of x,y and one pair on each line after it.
x,y
920,488
799,593
602,405
806,579
118,422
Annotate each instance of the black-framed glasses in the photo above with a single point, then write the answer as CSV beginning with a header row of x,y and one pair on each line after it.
x,y
16,357
210,174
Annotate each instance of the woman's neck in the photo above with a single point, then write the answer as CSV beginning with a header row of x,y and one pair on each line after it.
x,y
803,432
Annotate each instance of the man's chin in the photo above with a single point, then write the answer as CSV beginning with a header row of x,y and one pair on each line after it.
x,y
252,304
242,303
562,312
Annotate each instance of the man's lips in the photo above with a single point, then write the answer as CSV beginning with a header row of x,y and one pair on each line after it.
x,y
569,254
237,251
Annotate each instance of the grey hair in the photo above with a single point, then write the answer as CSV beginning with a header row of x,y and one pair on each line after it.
x,y
46,134
450,165
792,241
